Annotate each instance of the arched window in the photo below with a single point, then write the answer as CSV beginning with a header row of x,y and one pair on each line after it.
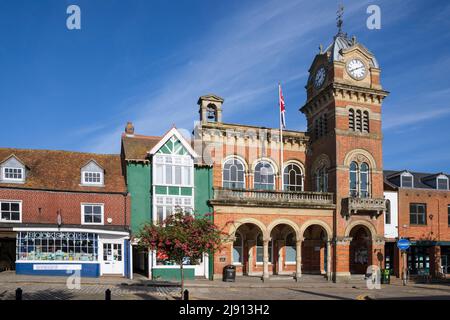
x,y
364,180
358,120
291,248
237,249
365,126
321,177
293,178
233,174
264,176
353,179
351,119
359,180
260,249
387,218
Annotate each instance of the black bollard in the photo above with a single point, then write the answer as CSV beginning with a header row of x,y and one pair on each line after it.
x,y
18,294
186,295
108,294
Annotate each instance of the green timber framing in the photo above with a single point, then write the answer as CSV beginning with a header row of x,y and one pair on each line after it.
x,y
139,176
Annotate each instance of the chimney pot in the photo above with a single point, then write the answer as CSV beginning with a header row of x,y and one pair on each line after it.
x,y
129,129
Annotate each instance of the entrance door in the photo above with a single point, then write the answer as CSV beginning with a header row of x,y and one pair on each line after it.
x,y
112,258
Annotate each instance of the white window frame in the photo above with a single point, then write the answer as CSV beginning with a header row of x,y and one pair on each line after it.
x,y
83,205
88,183
406,174
441,177
22,171
165,204
302,177
185,161
234,159
274,174
20,211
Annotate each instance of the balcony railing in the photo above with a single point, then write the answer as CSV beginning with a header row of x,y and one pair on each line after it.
x,y
251,197
355,205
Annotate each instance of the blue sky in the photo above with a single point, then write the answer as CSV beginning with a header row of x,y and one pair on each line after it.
x,y
148,61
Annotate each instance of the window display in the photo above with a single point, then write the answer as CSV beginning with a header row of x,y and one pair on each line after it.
x,y
57,246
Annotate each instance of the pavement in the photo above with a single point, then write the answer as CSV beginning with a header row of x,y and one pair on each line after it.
x,y
249,288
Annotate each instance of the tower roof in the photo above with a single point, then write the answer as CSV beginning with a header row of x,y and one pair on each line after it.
x,y
340,43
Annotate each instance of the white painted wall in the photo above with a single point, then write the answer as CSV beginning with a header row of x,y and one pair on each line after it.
x,y
391,230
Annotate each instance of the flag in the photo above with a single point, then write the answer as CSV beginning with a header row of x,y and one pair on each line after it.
x,y
282,108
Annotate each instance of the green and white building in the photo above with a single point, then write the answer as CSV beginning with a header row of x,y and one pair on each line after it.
x,y
162,174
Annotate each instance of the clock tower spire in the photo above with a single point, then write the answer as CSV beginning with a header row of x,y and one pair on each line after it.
x,y
343,111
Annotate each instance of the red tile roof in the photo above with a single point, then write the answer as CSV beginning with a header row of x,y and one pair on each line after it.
x,y
61,170
136,147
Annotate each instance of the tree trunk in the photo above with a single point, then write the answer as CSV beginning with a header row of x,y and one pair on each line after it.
x,y
182,279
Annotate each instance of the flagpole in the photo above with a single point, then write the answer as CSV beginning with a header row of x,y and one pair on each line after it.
x,y
281,138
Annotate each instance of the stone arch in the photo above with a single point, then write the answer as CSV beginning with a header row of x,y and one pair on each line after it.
x,y
236,224
367,224
296,162
288,222
321,223
360,155
238,157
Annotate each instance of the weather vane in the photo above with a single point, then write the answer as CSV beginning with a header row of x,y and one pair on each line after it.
x,y
340,22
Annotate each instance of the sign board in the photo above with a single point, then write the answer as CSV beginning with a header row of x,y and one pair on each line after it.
x,y
56,266
403,244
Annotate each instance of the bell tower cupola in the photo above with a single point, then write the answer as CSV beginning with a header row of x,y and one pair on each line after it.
x,y
210,108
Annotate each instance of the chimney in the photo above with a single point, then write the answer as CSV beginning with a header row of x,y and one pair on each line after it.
x,y
129,129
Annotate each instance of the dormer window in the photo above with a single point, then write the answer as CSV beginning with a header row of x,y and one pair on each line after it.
x,y
12,170
407,180
92,177
442,182
92,174
15,174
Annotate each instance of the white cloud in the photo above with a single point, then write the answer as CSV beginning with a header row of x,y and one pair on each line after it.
x,y
242,58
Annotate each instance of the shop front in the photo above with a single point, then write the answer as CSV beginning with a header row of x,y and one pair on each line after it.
x,y
61,252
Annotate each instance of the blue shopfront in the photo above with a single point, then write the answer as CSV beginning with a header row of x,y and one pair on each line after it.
x,y
90,253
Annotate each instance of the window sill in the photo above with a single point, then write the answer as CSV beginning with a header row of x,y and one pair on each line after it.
x,y
10,221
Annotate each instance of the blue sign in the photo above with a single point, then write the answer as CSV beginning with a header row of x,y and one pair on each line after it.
x,y
403,244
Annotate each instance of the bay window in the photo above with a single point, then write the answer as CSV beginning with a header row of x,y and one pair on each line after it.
x,y
173,170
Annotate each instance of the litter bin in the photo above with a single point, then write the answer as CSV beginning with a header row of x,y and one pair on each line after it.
x,y
229,273
385,276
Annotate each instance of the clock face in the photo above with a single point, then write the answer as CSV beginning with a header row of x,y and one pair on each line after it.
x,y
319,79
356,69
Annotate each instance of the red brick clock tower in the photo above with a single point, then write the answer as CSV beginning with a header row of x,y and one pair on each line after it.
x,y
343,110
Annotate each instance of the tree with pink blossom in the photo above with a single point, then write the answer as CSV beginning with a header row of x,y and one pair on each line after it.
x,y
182,237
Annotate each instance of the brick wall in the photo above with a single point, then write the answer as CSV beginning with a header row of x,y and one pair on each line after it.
x,y
42,206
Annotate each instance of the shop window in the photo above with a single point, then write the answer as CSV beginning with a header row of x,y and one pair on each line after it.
x,y
418,213
57,246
